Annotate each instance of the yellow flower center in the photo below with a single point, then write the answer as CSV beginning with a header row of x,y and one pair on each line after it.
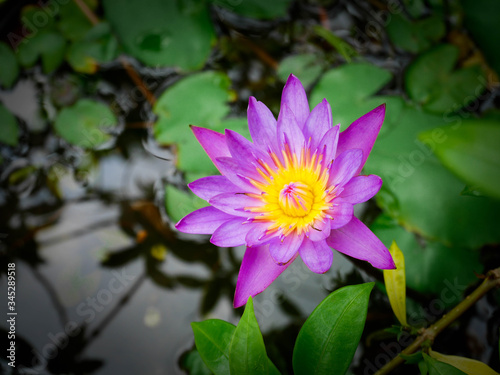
x,y
294,193
296,199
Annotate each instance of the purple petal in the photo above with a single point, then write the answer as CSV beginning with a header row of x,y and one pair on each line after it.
x,y
294,97
318,123
261,123
357,241
234,204
284,250
231,233
208,187
361,188
244,151
238,175
320,231
317,256
328,145
362,133
342,212
258,270
212,142
203,221
289,132
345,167
256,236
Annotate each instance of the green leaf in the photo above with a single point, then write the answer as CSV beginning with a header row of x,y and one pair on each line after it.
x,y
179,203
307,67
8,62
344,48
262,9
467,365
415,36
395,283
47,45
471,152
96,47
10,130
431,81
163,33
247,353
73,23
213,338
329,337
427,274
193,364
420,193
86,123
440,368
481,19
349,90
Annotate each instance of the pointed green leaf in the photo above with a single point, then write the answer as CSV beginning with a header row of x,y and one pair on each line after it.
x,y
395,283
471,152
213,338
247,353
467,365
327,341
440,368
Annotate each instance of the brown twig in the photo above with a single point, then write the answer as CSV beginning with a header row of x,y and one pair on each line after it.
x,y
261,54
429,334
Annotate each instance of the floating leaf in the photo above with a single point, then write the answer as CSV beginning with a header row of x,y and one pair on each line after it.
x,y
262,9
47,45
467,365
96,47
431,81
440,368
395,283
73,23
426,273
415,36
179,203
8,62
307,67
213,338
417,191
10,129
163,33
471,152
329,337
86,123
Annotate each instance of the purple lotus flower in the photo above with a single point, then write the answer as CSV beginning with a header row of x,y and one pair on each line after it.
x,y
291,192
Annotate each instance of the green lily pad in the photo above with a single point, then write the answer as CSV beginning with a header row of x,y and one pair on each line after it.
x,y
471,152
307,67
10,69
424,271
179,203
418,191
415,36
421,194
49,46
73,23
96,47
10,130
86,123
262,9
432,81
163,33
